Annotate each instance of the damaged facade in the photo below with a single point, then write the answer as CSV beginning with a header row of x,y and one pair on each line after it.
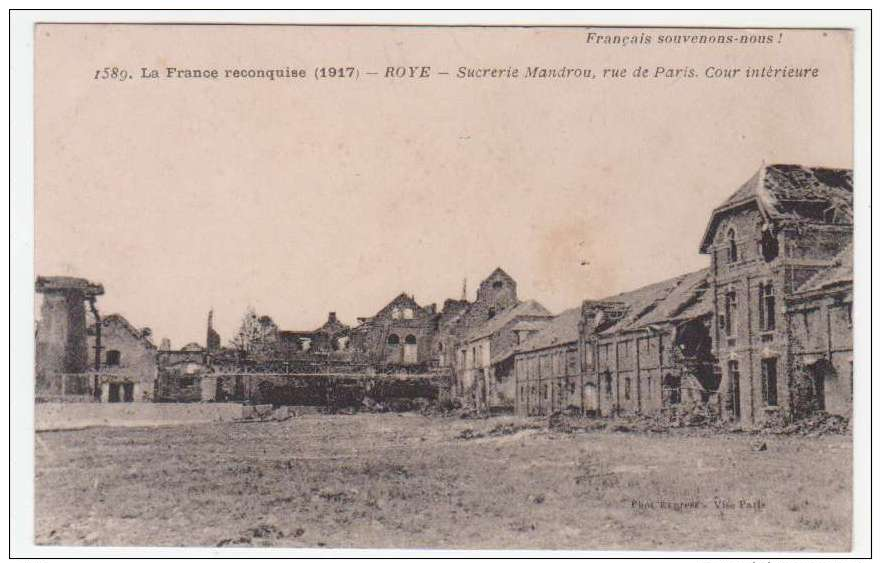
x,y
331,337
124,361
819,320
399,337
764,333
62,349
547,373
783,227
486,354
635,352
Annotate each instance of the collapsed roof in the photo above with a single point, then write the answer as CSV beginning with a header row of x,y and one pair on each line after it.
x,y
680,298
840,273
562,329
790,192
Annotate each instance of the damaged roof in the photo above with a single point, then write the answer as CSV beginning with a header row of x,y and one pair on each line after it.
x,y
529,308
562,329
117,319
68,283
793,192
841,272
681,297
687,299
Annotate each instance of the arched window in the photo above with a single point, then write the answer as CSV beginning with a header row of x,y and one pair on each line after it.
x,y
393,339
409,339
497,284
732,246
113,358
491,313
767,246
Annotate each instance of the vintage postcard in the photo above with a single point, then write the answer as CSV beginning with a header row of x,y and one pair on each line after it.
x,y
542,287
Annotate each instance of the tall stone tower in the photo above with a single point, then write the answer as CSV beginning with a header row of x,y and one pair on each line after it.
x,y
498,290
61,342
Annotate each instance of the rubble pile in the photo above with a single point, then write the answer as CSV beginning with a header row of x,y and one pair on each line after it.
x,y
560,422
819,424
264,413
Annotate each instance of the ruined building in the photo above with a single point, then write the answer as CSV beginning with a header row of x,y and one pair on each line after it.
x,y
61,341
819,321
635,352
779,231
332,336
486,354
400,336
124,361
546,368
470,342
484,335
764,333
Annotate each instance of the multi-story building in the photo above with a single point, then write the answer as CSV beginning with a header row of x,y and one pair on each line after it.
x,y
635,352
484,372
781,228
819,322
764,333
547,373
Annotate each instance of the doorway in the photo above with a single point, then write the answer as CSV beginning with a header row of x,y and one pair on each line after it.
x,y
411,352
128,392
819,373
734,375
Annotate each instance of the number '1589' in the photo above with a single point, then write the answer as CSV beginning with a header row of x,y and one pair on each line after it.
x,y
112,73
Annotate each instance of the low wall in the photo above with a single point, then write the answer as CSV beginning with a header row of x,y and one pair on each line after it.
x,y
70,416
314,390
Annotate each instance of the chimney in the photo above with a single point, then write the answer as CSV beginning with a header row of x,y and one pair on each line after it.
x,y
331,317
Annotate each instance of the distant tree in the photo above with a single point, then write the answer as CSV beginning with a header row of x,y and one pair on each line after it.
x,y
257,335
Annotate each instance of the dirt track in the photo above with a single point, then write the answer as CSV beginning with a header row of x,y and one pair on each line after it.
x,y
411,481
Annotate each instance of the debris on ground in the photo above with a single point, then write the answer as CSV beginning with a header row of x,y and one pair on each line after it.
x,y
659,423
264,413
469,434
500,429
817,424
469,412
509,428
444,407
695,422
369,405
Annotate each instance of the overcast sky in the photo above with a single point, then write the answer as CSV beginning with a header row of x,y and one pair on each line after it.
x,y
301,197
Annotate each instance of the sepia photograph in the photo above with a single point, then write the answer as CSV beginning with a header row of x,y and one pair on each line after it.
x,y
445,287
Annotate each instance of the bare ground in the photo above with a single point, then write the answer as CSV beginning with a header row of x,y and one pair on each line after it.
x,y
413,481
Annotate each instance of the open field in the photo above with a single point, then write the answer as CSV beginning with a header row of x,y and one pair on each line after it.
x,y
412,481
